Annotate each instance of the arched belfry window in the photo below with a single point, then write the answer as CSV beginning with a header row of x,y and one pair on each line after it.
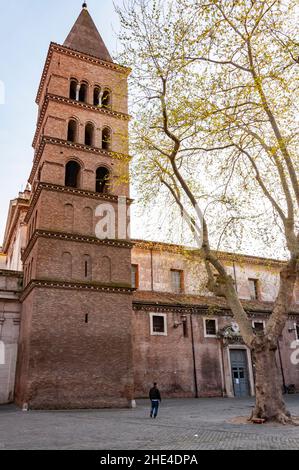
x,y
72,131
72,174
97,96
83,93
102,180
106,99
89,134
73,89
106,138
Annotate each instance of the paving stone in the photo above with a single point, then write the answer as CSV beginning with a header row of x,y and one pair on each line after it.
x,y
183,424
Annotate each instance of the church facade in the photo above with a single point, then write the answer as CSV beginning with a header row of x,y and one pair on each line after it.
x,y
91,318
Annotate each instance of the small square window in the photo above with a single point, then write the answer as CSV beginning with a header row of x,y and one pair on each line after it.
x,y
258,325
210,325
158,324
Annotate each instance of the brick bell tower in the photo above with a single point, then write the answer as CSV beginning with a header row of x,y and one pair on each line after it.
x,y
75,348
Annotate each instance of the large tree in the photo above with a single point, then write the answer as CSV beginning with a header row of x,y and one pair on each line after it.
x,y
215,93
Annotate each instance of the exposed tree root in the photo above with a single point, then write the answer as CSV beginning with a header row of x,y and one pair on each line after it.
x,y
283,417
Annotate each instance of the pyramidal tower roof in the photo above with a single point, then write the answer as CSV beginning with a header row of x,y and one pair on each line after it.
x,y
84,37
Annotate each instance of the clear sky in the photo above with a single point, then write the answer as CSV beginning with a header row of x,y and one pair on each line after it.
x,y
26,29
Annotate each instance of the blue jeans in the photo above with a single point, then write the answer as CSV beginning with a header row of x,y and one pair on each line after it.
x,y
155,407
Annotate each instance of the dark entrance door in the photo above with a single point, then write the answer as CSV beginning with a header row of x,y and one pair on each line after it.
x,y
238,360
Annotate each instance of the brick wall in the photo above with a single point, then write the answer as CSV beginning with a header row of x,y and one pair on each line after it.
x,y
169,361
10,307
107,264
67,363
158,272
64,67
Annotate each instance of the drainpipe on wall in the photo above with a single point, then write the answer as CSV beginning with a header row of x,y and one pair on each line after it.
x,y
235,276
281,367
152,271
221,345
193,353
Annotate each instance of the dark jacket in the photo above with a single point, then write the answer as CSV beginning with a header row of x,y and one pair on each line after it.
x,y
154,394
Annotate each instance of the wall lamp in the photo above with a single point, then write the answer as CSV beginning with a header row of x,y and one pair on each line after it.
x,y
178,323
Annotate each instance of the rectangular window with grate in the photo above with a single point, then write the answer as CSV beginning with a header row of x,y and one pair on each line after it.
x,y
210,325
158,324
258,325
177,281
254,289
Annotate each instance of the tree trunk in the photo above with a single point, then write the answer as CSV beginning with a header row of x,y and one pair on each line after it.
x,y
269,403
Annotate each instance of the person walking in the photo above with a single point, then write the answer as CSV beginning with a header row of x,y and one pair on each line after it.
x,y
155,398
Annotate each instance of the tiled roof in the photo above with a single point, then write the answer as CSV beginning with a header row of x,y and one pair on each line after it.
x,y
166,298
84,37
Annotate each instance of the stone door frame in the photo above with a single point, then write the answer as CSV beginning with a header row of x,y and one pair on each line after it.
x,y
228,381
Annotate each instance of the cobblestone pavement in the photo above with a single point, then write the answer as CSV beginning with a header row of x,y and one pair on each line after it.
x,y
185,424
